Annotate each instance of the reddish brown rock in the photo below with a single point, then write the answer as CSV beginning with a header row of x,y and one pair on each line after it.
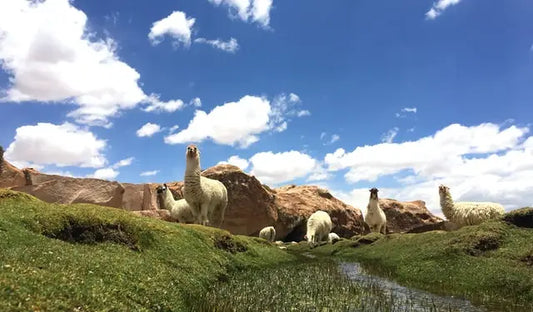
x,y
133,198
406,216
10,175
66,190
296,203
250,206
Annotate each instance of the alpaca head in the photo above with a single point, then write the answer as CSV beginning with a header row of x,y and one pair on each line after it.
x,y
443,189
373,193
192,152
162,188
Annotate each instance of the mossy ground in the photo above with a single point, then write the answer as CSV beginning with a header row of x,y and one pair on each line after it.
x,y
490,264
89,258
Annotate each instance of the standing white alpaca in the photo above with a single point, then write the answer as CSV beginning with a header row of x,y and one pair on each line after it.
x,y
467,213
208,198
268,233
375,217
179,209
318,227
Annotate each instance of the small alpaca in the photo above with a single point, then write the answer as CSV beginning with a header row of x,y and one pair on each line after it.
x,y
375,217
208,198
268,233
333,238
318,227
467,213
179,209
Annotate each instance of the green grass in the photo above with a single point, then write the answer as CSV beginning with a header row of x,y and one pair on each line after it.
x,y
310,285
90,258
490,264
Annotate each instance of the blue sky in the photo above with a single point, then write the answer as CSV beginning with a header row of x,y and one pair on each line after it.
x,y
401,95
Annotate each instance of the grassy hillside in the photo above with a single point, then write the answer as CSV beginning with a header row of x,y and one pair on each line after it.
x,y
490,264
90,258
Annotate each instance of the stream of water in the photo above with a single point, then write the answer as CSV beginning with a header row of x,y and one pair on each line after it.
x,y
410,299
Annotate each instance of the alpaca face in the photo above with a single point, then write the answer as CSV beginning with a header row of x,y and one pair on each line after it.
x,y
160,189
192,151
373,193
443,189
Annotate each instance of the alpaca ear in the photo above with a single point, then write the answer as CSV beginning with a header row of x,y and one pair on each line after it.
x,y
165,185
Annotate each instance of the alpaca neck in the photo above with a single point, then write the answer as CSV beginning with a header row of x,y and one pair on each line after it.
x,y
168,199
446,204
192,170
373,204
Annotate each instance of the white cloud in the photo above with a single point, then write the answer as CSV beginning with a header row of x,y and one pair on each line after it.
x,y
303,113
230,46
389,135
105,174
238,123
123,163
148,129
409,110
428,156
60,145
237,161
51,59
334,138
149,173
276,168
176,25
196,102
173,129
439,7
479,163
248,10
156,105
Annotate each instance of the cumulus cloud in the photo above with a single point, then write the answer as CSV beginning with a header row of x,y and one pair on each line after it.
x,y
148,129
230,46
51,59
276,168
303,113
177,26
60,145
439,7
123,163
104,174
156,105
248,10
196,102
238,123
388,136
149,173
237,161
480,163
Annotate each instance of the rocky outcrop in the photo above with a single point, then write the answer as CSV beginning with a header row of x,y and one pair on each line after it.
x,y
407,216
10,175
296,203
67,190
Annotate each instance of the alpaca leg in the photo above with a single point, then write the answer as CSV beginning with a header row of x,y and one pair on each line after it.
x,y
203,214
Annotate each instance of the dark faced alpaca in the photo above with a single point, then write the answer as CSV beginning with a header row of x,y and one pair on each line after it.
x,y
161,189
374,193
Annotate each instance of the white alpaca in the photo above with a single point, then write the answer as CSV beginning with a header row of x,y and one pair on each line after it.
x,y
268,233
375,217
318,227
333,238
179,209
467,213
208,198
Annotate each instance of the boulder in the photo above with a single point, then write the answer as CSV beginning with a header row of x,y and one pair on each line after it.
x,y
296,203
133,198
250,206
10,175
406,216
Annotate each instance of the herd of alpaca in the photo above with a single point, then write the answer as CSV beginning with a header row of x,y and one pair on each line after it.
x,y
205,202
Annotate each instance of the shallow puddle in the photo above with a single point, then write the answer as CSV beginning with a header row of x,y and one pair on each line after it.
x,y
407,299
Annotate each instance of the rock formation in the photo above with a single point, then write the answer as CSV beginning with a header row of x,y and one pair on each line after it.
x,y
407,216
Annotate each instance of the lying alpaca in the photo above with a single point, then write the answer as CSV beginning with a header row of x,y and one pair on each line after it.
x,y
467,213
375,217
208,198
268,233
179,209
